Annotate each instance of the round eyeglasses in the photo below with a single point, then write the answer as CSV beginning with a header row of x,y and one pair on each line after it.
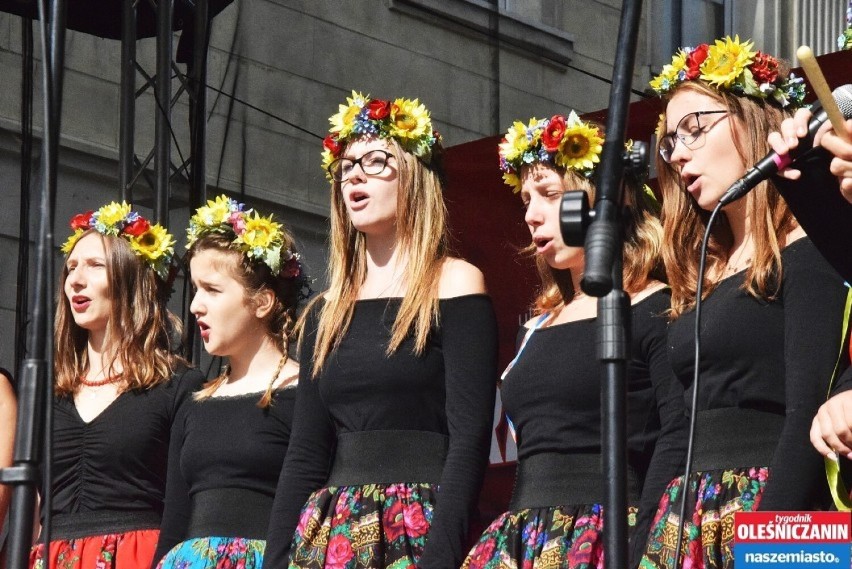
x,y
689,131
372,163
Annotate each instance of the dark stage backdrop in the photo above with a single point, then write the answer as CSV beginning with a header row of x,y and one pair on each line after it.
x,y
488,228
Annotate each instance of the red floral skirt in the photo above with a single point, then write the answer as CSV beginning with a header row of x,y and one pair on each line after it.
x,y
544,538
708,534
363,527
129,550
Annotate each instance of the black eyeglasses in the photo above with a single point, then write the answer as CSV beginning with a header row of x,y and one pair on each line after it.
x,y
689,131
372,163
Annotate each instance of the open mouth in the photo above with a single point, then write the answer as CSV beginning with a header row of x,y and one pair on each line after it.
x,y
358,197
688,181
80,303
541,243
204,330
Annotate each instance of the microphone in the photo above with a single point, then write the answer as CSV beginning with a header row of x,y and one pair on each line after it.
x,y
773,162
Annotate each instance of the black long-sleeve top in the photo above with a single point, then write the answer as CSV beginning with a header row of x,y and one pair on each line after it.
x,y
821,209
449,389
553,396
224,442
117,461
772,356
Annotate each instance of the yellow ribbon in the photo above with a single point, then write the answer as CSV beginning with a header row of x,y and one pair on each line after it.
x,y
836,486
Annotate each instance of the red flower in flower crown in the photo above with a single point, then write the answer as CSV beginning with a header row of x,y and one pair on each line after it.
x,y
694,61
139,226
291,268
81,220
553,133
378,109
331,144
764,68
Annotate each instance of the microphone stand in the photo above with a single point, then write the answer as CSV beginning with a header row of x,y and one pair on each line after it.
x,y
603,278
36,373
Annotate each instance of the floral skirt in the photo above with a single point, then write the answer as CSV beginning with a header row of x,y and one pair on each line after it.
x,y
363,527
130,550
215,553
544,538
708,533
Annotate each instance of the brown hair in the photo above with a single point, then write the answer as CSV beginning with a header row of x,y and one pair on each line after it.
x,y
642,248
139,332
256,277
422,232
684,222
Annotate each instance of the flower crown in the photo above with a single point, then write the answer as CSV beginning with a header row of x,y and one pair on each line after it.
x,y
731,65
259,238
566,142
150,242
404,120
845,39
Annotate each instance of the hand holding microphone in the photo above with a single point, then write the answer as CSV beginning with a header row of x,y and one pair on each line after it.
x,y
835,136
799,138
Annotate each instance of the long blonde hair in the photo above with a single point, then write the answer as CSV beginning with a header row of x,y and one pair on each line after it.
x,y
642,249
421,223
255,277
684,222
139,332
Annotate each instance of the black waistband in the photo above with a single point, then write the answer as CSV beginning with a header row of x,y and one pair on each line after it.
x,y
553,479
388,457
229,512
85,524
735,438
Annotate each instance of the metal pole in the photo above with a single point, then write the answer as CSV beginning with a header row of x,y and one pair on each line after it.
x,y
35,371
198,118
162,140
127,116
602,278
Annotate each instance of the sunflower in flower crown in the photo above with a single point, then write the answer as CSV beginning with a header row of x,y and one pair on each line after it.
x,y
259,238
405,120
151,242
565,142
732,65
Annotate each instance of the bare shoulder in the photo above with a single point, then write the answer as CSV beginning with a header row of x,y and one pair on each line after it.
x,y
650,288
795,235
459,278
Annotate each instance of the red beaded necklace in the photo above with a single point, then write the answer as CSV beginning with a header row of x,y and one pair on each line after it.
x,y
100,382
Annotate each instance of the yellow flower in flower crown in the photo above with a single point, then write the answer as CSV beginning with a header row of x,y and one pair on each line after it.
x,y
581,145
344,120
109,216
156,246
72,240
260,232
726,60
216,211
516,142
670,74
409,119
512,179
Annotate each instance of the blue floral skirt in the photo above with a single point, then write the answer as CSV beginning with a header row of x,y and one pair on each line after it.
x,y
215,553
709,531
363,527
544,538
